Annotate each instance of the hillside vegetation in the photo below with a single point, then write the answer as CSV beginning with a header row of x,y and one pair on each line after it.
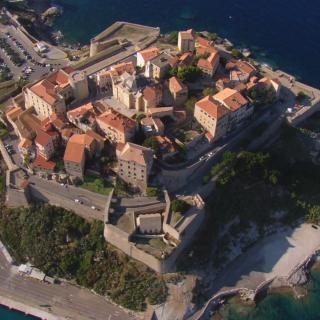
x,y
64,245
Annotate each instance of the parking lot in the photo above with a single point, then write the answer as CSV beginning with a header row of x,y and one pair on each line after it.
x,y
20,58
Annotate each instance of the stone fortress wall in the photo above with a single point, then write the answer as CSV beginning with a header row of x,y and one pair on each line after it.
x,y
121,239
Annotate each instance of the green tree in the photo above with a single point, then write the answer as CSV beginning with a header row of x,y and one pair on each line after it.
x,y
186,73
173,37
152,191
209,91
314,214
178,205
153,144
236,53
190,104
212,36
301,96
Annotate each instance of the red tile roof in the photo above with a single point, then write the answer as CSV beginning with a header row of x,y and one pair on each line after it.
x,y
231,98
212,108
203,42
42,163
176,85
151,93
116,120
149,53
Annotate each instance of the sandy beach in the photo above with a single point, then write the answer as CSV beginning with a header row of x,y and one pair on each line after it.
x,y
273,257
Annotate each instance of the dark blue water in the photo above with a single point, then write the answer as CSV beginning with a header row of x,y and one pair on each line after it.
x,y
284,33
6,314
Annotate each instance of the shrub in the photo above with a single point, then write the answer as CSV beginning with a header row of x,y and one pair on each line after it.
x,y
236,53
152,192
178,205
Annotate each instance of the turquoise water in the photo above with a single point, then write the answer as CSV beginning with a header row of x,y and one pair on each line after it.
x,y
278,306
6,314
284,33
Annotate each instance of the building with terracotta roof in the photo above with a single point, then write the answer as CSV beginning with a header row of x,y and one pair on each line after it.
x,y
178,90
46,143
236,103
26,124
201,51
152,96
166,146
158,67
186,59
41,164
240,71
202,42
79,147
160,112
135,163
212,116
152,126
59,122
12,116
105,77
83,117
146,55
209,66
117,127
186,41
51,94
274,84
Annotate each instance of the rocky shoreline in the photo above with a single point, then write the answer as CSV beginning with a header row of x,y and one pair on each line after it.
x,y
294,281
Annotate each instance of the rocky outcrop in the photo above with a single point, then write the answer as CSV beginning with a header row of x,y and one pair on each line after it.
x,y
50,14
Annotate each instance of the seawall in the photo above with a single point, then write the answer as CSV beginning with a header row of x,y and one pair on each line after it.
x,y
28,310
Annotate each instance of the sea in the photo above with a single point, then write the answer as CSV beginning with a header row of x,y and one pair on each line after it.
x,y
6,314
282,33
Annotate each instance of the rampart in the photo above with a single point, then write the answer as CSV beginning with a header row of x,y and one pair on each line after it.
x,y
122,240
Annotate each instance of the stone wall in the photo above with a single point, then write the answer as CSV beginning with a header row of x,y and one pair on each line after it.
x,y
121,240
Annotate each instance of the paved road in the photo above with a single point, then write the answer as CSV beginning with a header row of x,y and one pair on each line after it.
x,y
64,300
54,193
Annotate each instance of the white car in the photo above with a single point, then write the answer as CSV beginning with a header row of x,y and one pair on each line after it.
x,y
76,200
93,208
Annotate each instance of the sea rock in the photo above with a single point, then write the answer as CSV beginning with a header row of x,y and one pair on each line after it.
x,y
300,277
50,14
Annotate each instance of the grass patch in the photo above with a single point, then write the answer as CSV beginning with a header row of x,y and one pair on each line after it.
x,y
96,185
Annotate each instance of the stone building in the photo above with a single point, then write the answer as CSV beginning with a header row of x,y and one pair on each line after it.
x,y
83,117
212,116
210,65
117,127
150,223
158,67
52,94
186,41
79,147
146,55
128,90
178,90
135,163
